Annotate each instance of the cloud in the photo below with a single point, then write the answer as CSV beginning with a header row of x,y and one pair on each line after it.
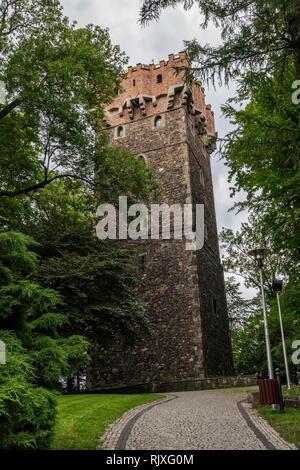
x,y
155,41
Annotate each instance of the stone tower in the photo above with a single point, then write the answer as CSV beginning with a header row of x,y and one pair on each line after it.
x,y
156,117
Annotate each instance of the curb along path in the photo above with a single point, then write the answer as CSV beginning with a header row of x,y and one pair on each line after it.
x,y
202,420
118,432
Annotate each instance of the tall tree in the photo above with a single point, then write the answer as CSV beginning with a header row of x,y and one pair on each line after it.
x,y
96,280
57,77
33,313
27,412
37,354
236,260
263,155
239,308
19,19
261,50
247,327
247,331
60,75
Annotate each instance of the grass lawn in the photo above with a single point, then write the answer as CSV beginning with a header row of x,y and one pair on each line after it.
x,y
244,388
83,419
295,391
287,425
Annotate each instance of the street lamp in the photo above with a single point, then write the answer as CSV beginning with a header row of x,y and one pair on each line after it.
x,y
277,287
259,254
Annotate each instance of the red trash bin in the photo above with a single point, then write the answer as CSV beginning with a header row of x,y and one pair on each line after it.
x,y
268,392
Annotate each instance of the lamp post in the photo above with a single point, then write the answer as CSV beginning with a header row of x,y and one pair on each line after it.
x,y
277,287
259,254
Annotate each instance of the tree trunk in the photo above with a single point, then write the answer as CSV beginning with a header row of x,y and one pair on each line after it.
x,y
70,384
294,25
297,64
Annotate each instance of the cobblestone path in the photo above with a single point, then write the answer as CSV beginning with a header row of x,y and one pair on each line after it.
x,y
204,420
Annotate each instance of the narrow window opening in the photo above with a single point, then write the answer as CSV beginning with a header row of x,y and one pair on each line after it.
x,y
120,131
133,82
142,261
159,78
158,121
215,305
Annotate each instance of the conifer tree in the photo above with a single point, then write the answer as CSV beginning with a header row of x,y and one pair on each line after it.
x,y
253,33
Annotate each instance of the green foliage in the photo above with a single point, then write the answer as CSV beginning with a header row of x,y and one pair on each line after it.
x,y
62,198
239,308
37,354
60,76
18,17
248,340
27,412
32,312
262,154
294,391
15,258
236,260
96,280
248,347
247,328
252,31
290,303
121,174
261,50
57,77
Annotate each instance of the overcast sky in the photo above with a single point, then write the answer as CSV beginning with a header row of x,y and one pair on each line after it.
x,y
155,42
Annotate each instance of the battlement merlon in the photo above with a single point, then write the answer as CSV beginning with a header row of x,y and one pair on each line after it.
x,y
152,89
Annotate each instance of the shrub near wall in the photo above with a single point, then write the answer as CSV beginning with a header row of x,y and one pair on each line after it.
x,y
27,412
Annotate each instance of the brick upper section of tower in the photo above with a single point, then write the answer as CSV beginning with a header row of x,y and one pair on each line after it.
x,y
152,89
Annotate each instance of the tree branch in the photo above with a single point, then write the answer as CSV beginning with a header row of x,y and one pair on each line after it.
x,y
42,185
10,107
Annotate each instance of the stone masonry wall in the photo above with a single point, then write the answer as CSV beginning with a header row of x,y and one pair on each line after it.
x,y
168,283
213,308
191,340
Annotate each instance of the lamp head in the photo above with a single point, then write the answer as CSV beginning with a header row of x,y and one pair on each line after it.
x,y
277,285
259,255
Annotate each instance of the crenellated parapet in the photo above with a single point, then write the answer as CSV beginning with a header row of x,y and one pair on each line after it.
x,y
158,88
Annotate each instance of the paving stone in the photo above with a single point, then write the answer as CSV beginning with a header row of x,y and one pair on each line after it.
x,y
199,420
